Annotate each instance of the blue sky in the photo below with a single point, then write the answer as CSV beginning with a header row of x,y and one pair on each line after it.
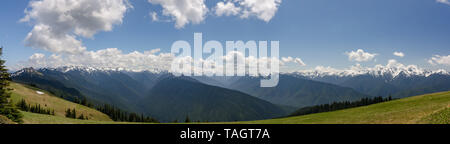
x,y
320,32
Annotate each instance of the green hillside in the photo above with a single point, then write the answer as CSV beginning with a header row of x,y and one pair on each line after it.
x,y
46,100
424,109
33,118
5,120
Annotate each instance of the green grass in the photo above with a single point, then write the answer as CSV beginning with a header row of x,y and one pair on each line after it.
x,y
425,109
5,120
49,101
33,118
441,117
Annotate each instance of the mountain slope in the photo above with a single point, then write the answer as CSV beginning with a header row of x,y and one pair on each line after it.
x,y
110,87
424,109
402,85
149,93
47,100
35,78
394,79
174,98
297,92
5,120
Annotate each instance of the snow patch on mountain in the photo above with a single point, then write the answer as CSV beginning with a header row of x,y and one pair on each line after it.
x,y
66,69
392,69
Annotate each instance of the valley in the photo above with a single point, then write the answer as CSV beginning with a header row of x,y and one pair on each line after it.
x,y
424,109
213,99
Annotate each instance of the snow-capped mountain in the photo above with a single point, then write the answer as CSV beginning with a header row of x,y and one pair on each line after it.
x,y
377,71
393,79
160,95
66,69
25,70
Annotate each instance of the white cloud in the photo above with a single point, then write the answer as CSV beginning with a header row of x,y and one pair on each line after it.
x,y
106,58
227,9
183,11
287,59
154,16
262,9
152,60
443,1
360,56
59,25
294,60
399,54
37,56
195,11
59,22
299,61
442,60
42,37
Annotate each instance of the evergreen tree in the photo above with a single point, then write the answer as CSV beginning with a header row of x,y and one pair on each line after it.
x,y
187,120
6,107
339,105
68,113
119,115
81,117
74,113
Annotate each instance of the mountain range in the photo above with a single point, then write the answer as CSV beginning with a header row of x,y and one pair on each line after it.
x,y
167,98
398,82
160,95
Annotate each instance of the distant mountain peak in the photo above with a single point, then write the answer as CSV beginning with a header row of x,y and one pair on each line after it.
x,y
29,70
65,69
391,70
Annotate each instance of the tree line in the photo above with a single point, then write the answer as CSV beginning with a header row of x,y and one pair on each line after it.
x,y
72,113
339,106
6,107
114,113
117,114
24,106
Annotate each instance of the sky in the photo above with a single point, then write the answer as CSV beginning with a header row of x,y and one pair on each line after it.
x,y
139,33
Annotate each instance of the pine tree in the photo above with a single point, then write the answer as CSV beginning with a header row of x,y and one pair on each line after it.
x,y
74,113
6,107
68,113
187,120
81,117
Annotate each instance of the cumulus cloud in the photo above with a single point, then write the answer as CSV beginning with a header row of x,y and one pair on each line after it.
x,y
154,16
442,60
443,1
262,9
294,60
183,11
151,60
299,61
399,54
360,56
57,23
227,9
195,11
106,58
42,37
